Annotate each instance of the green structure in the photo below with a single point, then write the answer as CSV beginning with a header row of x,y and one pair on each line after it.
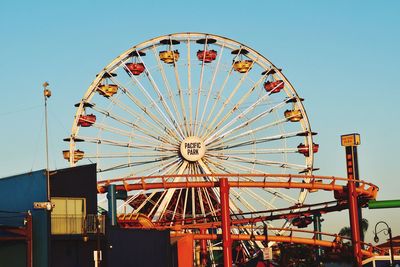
x,y
384,204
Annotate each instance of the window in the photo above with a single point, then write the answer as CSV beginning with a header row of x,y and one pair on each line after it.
x,y
68,215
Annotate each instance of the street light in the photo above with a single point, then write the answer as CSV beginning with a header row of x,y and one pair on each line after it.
x,y
47,94
386,231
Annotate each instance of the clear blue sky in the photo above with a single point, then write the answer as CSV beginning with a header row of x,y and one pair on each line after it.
x,y
341,56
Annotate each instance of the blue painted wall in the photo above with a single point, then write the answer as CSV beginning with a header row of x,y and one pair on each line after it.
x,y
17,194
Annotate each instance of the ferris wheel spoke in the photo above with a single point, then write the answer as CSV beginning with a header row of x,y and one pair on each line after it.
x,y
181,97
206,169
170,116
210,204
154,128
230,168
217,165
259,198
190,89
206,192
275,193
174,212
238,198
128,155
168,88
261,162
144,138
127,165
240,102
170,192
218,134
249,132
156,205
195,123
227,167
124,144
128,123
219,94
167,167
148,200
257,141
237,105
185,205
146,110
210,90
154,103
258,151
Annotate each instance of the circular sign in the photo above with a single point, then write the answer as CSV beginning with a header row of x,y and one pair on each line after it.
x,y
193,148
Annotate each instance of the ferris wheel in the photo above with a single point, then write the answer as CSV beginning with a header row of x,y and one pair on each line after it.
x,y
195,104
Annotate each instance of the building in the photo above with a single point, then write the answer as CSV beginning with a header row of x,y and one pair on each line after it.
x,y
56,223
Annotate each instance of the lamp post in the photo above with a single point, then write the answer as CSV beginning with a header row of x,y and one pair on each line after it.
x,y
386,231
47,94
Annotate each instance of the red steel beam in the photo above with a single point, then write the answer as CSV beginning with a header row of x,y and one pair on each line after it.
x,y
225,221
236,176
285,239
369,192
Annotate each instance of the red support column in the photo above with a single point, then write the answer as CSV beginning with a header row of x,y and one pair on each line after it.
x,y
226,221
185,251
355,227
29,245
350,142
353,206
203,249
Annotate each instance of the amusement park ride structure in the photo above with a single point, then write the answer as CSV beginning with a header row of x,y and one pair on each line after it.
x,y
207,143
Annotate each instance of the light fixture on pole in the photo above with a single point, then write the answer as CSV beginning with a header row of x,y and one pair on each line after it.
x,y
386,231
47,94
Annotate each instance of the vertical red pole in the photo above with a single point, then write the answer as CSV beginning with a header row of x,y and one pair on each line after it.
x,y
226,221
353,208
29,246
355,227
203,249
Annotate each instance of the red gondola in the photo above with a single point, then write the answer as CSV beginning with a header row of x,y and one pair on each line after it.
x,y
303,149
302,221
274,87
86,120
135,68
207,55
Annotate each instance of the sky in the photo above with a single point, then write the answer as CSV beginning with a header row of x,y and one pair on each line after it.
x,y
341,56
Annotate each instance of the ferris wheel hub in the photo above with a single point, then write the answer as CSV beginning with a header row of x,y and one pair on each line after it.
x,y
193,148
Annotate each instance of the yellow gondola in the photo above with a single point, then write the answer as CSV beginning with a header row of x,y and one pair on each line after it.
x,y
243,66
293,115
169,56
107,90
78,155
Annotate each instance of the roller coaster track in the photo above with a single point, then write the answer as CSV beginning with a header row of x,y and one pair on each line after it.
x,y
189,226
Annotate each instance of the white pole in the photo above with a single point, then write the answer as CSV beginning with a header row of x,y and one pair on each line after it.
x,y
47,94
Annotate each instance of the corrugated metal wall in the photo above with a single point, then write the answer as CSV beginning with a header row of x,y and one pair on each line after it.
x,y
17,194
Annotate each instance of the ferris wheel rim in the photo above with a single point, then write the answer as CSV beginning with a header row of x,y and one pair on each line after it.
x,y
259,58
